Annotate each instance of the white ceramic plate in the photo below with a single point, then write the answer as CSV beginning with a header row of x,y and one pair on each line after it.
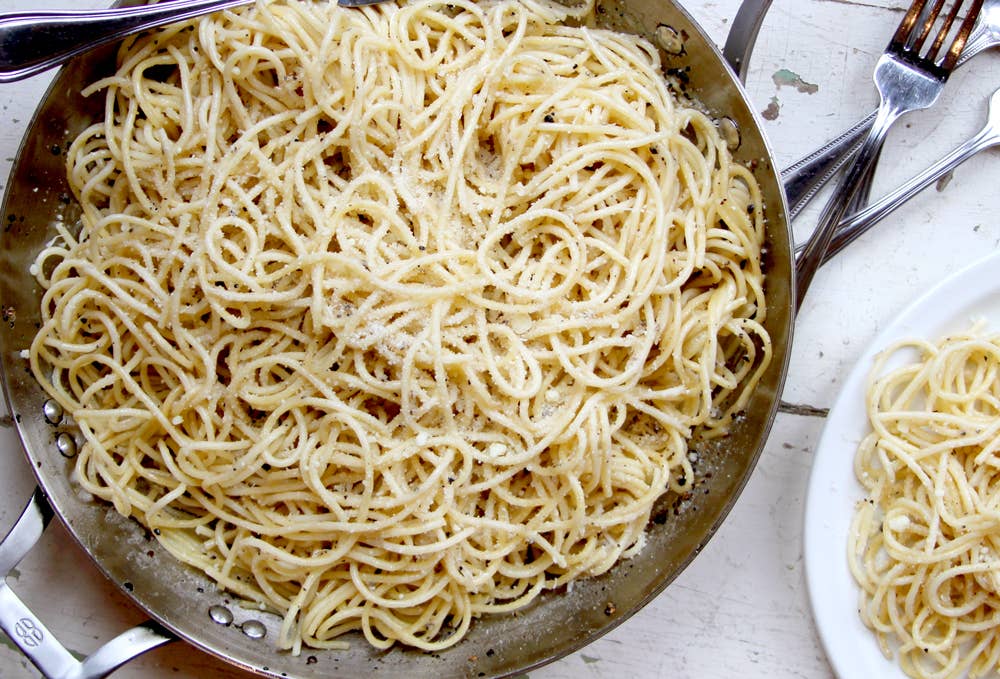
x,y
970,294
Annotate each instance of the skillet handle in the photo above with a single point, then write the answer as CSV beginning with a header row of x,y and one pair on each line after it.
x,y
743,35
34,639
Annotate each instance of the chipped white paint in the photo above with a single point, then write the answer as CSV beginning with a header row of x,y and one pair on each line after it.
x,y
740,609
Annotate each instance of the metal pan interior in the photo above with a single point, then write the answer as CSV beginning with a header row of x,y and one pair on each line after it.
x,y
185,601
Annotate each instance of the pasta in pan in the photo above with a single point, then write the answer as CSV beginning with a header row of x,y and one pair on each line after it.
x,y
389,318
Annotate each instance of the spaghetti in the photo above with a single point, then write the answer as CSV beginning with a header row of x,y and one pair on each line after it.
x,y
388,318
925,546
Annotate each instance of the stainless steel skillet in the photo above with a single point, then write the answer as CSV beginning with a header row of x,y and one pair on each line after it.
x,y
186,604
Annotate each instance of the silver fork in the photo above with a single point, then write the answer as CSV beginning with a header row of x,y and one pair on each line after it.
x,y
908,78
804,178
32,42
857,223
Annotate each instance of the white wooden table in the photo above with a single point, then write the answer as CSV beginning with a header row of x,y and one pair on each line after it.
x,y
740,609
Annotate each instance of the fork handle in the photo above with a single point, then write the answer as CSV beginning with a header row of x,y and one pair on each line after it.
x,y
32,42
804,178
856,224
816,247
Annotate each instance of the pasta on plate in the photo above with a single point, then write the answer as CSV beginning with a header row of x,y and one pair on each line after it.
x,y
925,544
390,318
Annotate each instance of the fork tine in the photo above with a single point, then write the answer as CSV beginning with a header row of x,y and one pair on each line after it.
x,y
905,29
945,29
951,58
928,24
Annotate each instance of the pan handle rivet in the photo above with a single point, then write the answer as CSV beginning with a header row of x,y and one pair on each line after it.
x,y
730,131
66,445
52,411
254,629
221,615
670,40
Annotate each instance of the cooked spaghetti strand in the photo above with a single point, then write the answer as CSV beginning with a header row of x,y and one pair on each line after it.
x,y
389,317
